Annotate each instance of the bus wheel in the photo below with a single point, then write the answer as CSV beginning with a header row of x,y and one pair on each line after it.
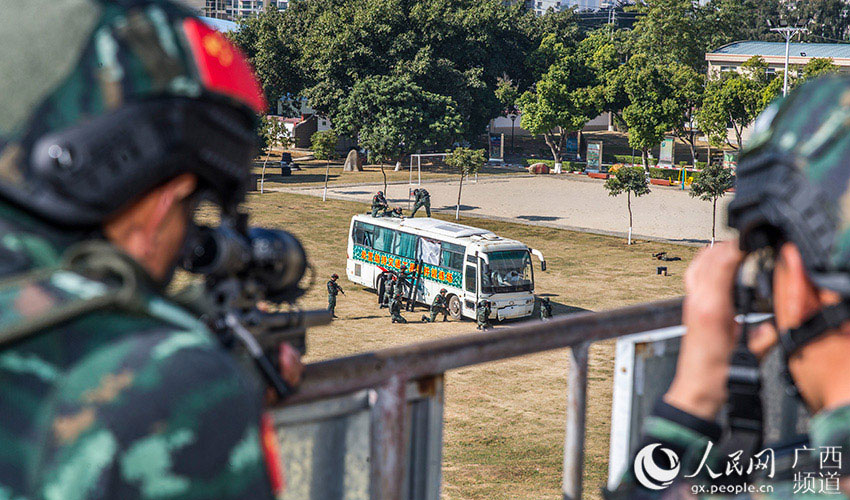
x,y
380,287
454,307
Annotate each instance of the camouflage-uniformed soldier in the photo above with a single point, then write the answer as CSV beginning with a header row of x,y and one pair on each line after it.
x,y
421,199
395,309
440,305
333,290
792,214
109,389
395,213
482,316
389,291
379,203
545,308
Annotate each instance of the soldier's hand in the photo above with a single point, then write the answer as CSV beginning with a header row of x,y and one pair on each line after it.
x,y
291,367
699,386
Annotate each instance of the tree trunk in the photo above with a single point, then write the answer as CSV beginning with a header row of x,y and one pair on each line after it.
x,y
327,171
692,143
713,219
459,189
553,147
629,203
263,175
644,158
385,178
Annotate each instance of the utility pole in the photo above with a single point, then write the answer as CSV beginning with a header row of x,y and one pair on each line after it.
x,y
788,32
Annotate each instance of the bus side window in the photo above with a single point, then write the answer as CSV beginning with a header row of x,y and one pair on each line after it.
x,y
383,239
363,234
471,279
452,256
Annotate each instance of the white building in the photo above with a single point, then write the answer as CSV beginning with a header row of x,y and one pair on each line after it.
x,y
730,57
234,9
540,7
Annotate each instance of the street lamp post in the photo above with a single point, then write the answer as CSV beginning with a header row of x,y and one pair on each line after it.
x,y
788,32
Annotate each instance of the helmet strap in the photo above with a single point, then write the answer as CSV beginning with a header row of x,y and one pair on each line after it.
x,y
792,340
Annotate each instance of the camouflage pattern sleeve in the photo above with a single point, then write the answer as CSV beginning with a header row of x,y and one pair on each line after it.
x,y
668,430
153,416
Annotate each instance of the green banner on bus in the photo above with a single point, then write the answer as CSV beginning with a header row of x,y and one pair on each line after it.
x,y
389,261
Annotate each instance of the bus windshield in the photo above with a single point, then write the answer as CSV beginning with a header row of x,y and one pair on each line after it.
x,y
508,271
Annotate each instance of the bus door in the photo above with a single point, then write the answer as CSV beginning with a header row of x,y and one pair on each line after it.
x,y
472,281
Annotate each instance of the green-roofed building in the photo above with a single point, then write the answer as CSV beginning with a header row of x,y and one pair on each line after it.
x,y
731,56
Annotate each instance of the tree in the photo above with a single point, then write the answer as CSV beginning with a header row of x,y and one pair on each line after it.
x,y
818,67
653,109
672,30
272,134
688,88
563,100
629,180
393,116
736,98
710,185
324,148
507,94
456,50
272,49
606,50
467,162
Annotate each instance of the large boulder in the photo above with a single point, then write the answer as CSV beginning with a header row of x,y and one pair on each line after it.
x,y
538,168
353,162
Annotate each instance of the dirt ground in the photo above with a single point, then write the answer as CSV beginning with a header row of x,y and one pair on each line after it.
x,y
504,422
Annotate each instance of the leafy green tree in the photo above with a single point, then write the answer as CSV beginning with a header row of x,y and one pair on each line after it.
x,y
563,100
711,185
688,88
653,108
455,50
818,67
736,98
272,48
272,134
629,180
606,50
467,162
507,94
323,144
825,19
672,30
394,116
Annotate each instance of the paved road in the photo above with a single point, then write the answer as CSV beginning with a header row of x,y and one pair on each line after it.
x,y
565,201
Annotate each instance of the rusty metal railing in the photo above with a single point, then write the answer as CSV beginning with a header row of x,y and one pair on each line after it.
x,y
389,371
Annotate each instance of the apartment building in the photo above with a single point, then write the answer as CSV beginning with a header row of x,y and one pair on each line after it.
x,y
235,9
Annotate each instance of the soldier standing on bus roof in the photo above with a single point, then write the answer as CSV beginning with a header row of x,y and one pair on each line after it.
x,y
379,203
545,308
421,199
439,306
333,290
395,309
482,316
389,291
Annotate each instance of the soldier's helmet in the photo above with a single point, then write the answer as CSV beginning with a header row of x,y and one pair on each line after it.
x,y
793,181
443,291
102,101
334,276
380,193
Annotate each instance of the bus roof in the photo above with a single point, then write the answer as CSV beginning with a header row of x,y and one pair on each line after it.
x,y
434,226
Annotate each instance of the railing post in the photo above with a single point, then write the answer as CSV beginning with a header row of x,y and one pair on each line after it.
x,y
388,441
576,412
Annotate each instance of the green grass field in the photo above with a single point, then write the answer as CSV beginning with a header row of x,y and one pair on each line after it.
x,y
504,422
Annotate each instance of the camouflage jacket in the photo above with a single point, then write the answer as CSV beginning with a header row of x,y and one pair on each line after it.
x,y
119,404
333,288
697,469
422,196
379,202
439,303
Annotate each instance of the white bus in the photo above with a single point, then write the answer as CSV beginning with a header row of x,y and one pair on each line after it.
x,y
472,264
